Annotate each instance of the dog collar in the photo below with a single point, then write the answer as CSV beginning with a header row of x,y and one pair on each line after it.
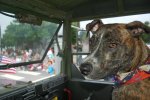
x,y
137,75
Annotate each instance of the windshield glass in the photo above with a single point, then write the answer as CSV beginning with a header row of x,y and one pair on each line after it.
x,y
22,42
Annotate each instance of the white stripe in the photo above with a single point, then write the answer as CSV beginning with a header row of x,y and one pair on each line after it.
x,y
43,78
29,73
14,77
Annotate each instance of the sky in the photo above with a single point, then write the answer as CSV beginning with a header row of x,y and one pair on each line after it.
x,y
125,19
5,21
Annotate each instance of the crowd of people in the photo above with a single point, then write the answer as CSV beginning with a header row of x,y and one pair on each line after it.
x,y
17,56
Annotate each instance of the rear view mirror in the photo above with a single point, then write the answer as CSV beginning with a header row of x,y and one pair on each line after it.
x,y
27,18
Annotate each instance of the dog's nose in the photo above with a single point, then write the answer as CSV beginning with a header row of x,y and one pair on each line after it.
x,y
86,68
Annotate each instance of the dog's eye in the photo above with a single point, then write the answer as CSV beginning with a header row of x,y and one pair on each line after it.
x,y
112,45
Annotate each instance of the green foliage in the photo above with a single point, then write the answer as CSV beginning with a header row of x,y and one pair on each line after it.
x,y
73,38
146,37
23,35
74,32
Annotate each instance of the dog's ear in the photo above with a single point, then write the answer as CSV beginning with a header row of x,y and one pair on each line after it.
x,y
136,28
88,28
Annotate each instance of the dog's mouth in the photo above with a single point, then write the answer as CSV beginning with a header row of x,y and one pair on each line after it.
x,y
90,72
96,71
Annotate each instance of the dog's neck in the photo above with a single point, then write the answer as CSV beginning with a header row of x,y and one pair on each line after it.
x,y
140,62
141,54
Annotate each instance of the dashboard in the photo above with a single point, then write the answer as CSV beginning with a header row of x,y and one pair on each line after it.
x,y
42,90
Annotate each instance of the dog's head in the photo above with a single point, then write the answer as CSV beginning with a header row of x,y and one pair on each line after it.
x,y
118,48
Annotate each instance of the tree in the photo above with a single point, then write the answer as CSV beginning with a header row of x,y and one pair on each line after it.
x,y
74,31
146,37
22,35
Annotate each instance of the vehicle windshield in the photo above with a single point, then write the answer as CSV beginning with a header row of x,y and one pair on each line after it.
x,y
23,42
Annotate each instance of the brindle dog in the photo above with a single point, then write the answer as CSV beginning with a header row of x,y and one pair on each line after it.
x,y
117,49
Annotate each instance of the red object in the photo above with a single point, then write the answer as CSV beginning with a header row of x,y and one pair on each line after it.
x,y
69,93
10,70
6,60
140,75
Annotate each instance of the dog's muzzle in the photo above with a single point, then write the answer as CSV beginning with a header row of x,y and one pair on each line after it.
x,y
86,68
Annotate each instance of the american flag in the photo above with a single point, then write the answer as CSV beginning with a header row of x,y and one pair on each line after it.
x,y
7,60
9,70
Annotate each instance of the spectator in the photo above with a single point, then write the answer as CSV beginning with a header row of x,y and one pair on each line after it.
x,y
50,67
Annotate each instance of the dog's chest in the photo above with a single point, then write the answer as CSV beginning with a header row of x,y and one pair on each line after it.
x,y
136,91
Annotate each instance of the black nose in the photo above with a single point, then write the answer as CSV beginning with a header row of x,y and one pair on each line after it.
x,y
86,68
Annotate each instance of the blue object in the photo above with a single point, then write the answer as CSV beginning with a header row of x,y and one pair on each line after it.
x,y
50,70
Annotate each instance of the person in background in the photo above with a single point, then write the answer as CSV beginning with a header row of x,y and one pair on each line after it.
x,y
50,67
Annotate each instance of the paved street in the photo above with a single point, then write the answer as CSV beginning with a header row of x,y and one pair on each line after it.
x,y
26,76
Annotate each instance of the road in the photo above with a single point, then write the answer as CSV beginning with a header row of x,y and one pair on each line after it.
x,y
24,76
